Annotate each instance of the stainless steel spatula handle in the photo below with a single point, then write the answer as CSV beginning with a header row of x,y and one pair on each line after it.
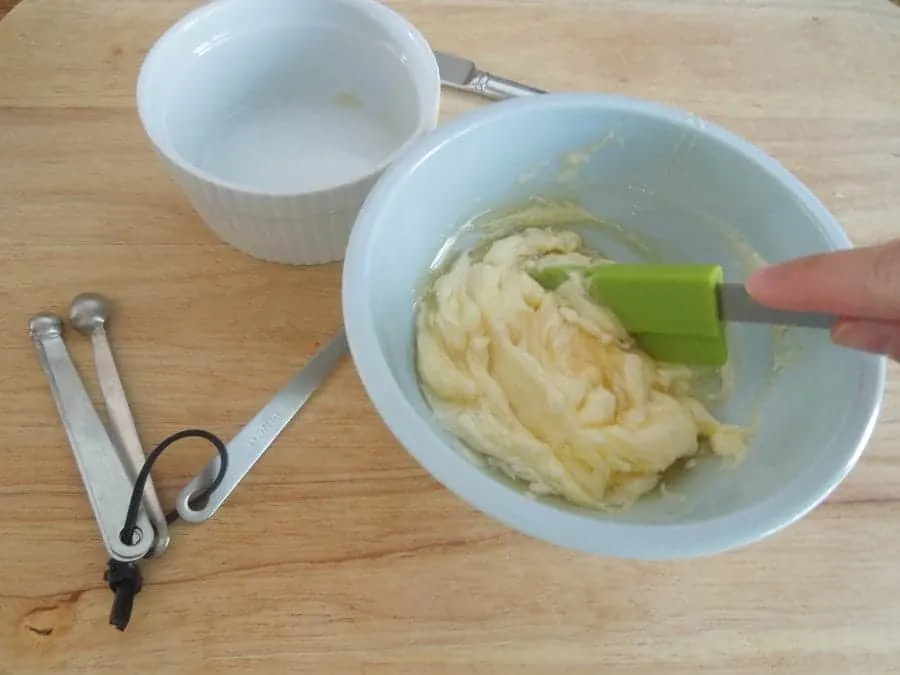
x,y
736,304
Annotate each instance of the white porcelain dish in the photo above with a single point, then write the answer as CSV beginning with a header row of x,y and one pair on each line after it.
x,y
277,116
697,193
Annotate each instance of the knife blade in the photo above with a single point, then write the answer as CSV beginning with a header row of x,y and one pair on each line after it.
x,y
463,75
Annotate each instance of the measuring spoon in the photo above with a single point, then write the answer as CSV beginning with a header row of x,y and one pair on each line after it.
x,y
89,314
251,442
106,479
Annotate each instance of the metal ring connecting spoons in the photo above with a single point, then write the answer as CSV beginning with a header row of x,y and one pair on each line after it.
x,y
251,442
89,314
107,481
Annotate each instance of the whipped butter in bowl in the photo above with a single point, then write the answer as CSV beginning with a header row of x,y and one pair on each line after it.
x,y
547,385
535,406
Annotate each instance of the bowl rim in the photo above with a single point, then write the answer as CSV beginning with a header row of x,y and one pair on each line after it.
x,y
396,23
576,531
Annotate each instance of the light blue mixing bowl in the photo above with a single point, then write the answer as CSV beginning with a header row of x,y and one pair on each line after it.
x,y
688,190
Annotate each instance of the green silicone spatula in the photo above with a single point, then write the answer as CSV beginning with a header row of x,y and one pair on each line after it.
x,y
676,313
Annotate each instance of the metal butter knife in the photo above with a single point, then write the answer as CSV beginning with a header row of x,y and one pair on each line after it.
x,y
464,75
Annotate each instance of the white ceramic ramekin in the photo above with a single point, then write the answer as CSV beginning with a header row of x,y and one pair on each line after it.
x,y
276,117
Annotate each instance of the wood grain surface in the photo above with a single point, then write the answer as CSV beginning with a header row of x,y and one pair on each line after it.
x,y
6,6
338,554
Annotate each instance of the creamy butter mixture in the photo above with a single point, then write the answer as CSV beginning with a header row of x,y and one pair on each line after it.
x,y
548,386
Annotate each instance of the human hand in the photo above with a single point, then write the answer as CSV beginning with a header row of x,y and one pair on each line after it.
x,y
861,285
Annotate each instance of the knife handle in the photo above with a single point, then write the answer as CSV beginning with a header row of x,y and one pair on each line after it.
x,y
498,88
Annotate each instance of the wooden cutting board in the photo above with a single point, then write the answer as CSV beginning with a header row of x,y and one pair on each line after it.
x,y
338,554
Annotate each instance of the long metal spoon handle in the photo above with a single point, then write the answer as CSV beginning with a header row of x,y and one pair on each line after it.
x,y
251,442
106,480
126,432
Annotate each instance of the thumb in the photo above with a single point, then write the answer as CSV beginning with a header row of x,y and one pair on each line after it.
x,y
876,337
861,282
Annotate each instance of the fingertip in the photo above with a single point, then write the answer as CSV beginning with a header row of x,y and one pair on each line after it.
x,y
760,283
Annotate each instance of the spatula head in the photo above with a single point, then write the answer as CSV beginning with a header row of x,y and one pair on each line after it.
x,y
671,310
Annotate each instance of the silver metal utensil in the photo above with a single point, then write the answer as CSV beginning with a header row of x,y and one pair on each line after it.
x,y
464,75
89,314
735,304
106,479
251,442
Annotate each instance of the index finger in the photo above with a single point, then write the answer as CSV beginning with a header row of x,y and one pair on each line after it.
x,y
861,282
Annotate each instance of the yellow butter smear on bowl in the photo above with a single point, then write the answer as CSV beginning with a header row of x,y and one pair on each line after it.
x,y
547,386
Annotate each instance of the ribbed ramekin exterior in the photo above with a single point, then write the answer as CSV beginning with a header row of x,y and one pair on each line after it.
x,y
296,230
